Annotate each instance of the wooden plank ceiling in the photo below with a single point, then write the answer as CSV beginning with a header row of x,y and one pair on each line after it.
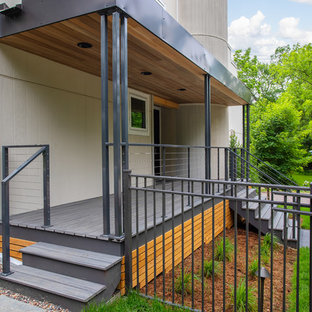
x,y
170,70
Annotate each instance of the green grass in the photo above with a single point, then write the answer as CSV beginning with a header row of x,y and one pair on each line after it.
x,y
132,303
303,282
241,297
229,247
301,177
305,220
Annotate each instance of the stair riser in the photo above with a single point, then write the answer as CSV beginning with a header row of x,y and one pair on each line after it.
x,y
110,278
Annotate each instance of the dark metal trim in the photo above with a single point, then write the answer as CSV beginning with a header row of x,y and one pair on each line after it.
x,y
207,129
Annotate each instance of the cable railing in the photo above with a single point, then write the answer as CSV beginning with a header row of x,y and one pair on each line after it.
x,y
44,150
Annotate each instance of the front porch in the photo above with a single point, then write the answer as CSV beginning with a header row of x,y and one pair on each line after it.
x,y
108,90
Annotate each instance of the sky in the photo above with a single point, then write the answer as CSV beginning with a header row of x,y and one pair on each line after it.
x,y
265,25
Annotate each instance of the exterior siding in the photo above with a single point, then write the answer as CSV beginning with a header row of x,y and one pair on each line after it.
x,y
43,102
15,246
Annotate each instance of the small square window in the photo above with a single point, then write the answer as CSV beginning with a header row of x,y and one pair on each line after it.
x,y
138,113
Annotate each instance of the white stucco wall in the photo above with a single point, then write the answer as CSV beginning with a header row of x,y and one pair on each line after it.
x,y
43,102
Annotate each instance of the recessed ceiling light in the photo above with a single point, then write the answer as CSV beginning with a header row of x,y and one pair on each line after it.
x,y
182,89
146,73
84,45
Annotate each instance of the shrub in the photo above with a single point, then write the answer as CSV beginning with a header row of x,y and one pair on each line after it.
x,y
229,247
241,297
267,241
208,268
186,281
253,267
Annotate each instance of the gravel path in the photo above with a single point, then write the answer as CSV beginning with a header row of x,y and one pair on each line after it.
x,y
47,306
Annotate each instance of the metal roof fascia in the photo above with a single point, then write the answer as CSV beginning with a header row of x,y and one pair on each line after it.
x,y
157,20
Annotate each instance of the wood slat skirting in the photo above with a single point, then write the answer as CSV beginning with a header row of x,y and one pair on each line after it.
x,y
176,244
16,245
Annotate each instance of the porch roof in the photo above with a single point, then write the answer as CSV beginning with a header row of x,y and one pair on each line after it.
x,y
157,44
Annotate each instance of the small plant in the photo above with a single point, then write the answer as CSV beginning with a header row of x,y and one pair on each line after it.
x,y
241,297
227,252
265,258
253,268
186,281
267,241
208,270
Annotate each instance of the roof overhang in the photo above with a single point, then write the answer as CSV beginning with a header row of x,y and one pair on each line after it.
x,y
146,15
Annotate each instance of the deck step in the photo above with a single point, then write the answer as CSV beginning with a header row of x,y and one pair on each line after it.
x,y
90,259
69,290
87,265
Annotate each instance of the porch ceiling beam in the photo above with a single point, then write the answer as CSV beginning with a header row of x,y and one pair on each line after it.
x,y
165,103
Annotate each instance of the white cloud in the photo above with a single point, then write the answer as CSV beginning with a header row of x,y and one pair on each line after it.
x,y
289,30
255,33
303,1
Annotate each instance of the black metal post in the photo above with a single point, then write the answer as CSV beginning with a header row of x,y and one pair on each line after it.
x,y
226,164
46,187
116,120
124,91
310,305
127,217
105,134
207,128
244,126
248,142
6,270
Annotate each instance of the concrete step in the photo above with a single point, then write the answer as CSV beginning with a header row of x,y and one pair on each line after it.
x,y
86,265
67,291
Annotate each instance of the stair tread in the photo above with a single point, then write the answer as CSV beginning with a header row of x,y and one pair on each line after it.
x,y
278,221
265,212
75,256
54,283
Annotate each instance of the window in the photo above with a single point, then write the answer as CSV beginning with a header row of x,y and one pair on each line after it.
x,y
138,113
139,108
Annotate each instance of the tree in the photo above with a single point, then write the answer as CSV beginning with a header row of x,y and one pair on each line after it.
x,y
281,118
275,137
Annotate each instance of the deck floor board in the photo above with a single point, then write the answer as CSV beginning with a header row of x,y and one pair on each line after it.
x,y
86,217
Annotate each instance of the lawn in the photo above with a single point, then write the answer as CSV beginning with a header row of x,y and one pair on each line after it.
x,y
304,286
132,303
302,177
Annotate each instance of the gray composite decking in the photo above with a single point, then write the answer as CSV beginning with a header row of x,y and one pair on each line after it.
x,y
85,218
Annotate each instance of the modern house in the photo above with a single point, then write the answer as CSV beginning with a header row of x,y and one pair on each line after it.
x,y
97,88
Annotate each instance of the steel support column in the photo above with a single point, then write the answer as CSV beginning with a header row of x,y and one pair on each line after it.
x,y
124,91
105,133
248,141
5,214
243,154
207,128
116,120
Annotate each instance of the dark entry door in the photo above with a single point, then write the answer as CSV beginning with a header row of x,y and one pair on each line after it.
x,y
156,141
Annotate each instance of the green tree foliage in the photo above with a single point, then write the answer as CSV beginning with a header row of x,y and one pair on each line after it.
x,y
281,118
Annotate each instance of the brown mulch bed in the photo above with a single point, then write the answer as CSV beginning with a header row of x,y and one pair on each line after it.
x,y
241,273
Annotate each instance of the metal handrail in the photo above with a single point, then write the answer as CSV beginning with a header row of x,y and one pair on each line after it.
x,y
270,167
6,178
